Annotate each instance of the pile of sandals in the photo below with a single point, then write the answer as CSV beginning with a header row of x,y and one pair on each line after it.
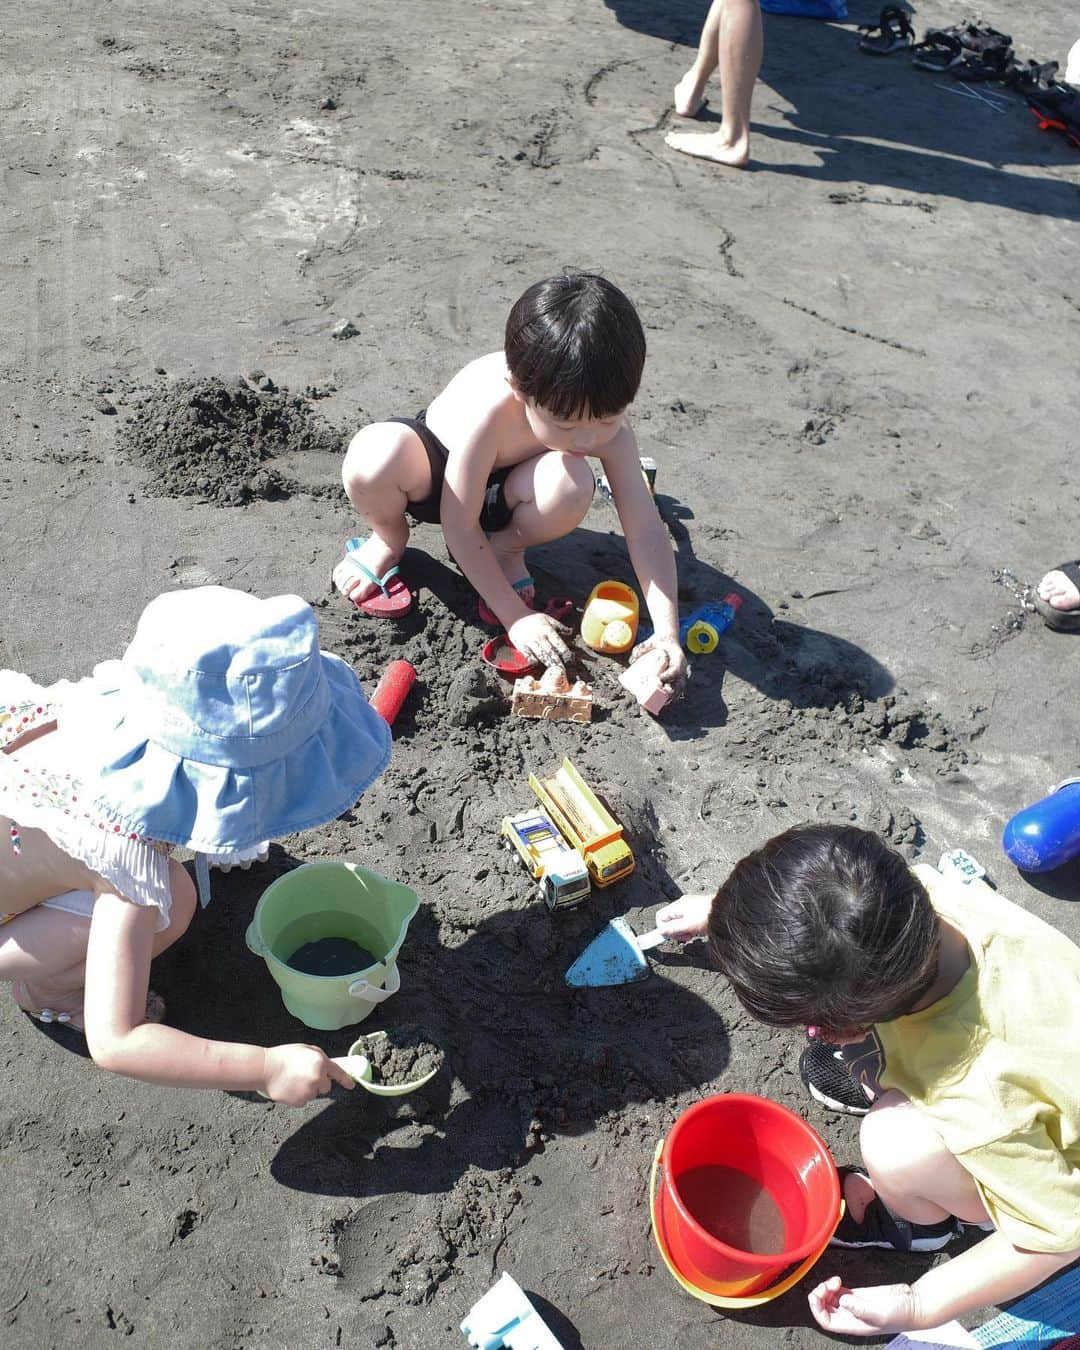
x,y
975,53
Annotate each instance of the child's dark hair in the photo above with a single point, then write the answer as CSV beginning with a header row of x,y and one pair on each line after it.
x,y
575,346
825,925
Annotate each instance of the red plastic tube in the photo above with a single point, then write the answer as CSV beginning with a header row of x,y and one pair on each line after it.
x,y
392,690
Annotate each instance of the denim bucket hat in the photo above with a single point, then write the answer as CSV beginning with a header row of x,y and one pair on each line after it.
x,y
223,725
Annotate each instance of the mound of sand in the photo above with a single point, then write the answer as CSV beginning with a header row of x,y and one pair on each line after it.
x,y
222,441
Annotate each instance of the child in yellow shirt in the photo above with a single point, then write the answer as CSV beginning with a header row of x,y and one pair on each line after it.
x,y
975,1007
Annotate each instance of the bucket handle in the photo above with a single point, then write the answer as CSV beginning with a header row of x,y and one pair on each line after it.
x,y
749,1300
372,993
254,941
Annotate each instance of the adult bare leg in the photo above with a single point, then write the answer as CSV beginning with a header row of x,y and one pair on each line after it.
x,y
690,91
740,45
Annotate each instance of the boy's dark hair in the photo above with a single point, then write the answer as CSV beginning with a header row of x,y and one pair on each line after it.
x,y
825,925
575,346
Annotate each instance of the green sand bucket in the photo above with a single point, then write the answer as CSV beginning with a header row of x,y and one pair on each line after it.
x,y
332,900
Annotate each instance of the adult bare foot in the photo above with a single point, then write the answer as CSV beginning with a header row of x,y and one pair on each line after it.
x,y
1058,591
353,583
712,145
1057,598
689,97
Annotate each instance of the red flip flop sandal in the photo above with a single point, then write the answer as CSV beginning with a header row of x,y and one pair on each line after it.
x,y
487,615
393,600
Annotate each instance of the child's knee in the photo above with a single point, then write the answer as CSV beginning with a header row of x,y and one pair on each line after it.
x,y
568,480
895,1135
372,456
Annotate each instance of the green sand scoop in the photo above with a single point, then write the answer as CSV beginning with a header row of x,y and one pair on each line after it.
x,y
357,1065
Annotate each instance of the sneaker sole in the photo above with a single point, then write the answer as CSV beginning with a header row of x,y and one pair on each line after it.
x,y
831,1104
926,1244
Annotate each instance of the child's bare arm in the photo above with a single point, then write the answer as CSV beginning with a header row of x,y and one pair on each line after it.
x,y
990,1272
650,549
117,978
464,485
537,635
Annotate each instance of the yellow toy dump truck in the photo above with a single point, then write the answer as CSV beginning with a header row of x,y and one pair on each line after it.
x,y
592,830
563,878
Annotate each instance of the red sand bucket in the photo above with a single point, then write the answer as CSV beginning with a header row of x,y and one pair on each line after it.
x,y
742,1191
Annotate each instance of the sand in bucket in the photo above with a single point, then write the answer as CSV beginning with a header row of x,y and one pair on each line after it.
x,y
734,1207
330,942
339,952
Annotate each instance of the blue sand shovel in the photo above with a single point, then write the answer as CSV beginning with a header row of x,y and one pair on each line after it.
x,y
614,956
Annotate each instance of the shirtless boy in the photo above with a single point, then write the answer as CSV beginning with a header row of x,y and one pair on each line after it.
x,y
500,459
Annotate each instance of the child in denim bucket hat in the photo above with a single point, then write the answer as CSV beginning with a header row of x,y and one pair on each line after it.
x,y
222,726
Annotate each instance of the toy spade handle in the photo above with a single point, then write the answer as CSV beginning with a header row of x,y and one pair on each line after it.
x,y
372,993
647,941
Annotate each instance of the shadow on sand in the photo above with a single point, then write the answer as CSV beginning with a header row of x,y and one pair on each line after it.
x,y
878,121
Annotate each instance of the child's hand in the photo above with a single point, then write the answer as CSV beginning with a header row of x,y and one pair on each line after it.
x,y
685,918
540,638
676,669
864,1312
296,1074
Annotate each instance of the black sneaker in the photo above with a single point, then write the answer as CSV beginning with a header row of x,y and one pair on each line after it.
x,y
825,1072
880,1227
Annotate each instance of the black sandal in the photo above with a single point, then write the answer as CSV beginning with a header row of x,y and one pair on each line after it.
x,y
995,63
1031,76
944,48
893,29
939,51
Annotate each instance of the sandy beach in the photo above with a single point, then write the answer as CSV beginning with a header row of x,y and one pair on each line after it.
x,y
861,396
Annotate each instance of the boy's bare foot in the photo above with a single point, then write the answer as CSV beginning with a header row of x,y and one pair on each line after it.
x,y
515,570
689,99
712,145
377,556
1058,591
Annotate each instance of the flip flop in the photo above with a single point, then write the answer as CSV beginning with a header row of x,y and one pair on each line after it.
x,y
893,29
155,1010
395,599
487,615
1061,620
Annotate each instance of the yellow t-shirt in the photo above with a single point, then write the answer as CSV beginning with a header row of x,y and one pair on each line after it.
x,y
995,1064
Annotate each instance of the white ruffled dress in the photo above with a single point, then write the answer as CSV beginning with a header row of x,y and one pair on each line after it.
x,y
33,797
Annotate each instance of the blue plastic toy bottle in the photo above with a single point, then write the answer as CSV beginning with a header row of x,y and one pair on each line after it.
x,y
700,631
1046,834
